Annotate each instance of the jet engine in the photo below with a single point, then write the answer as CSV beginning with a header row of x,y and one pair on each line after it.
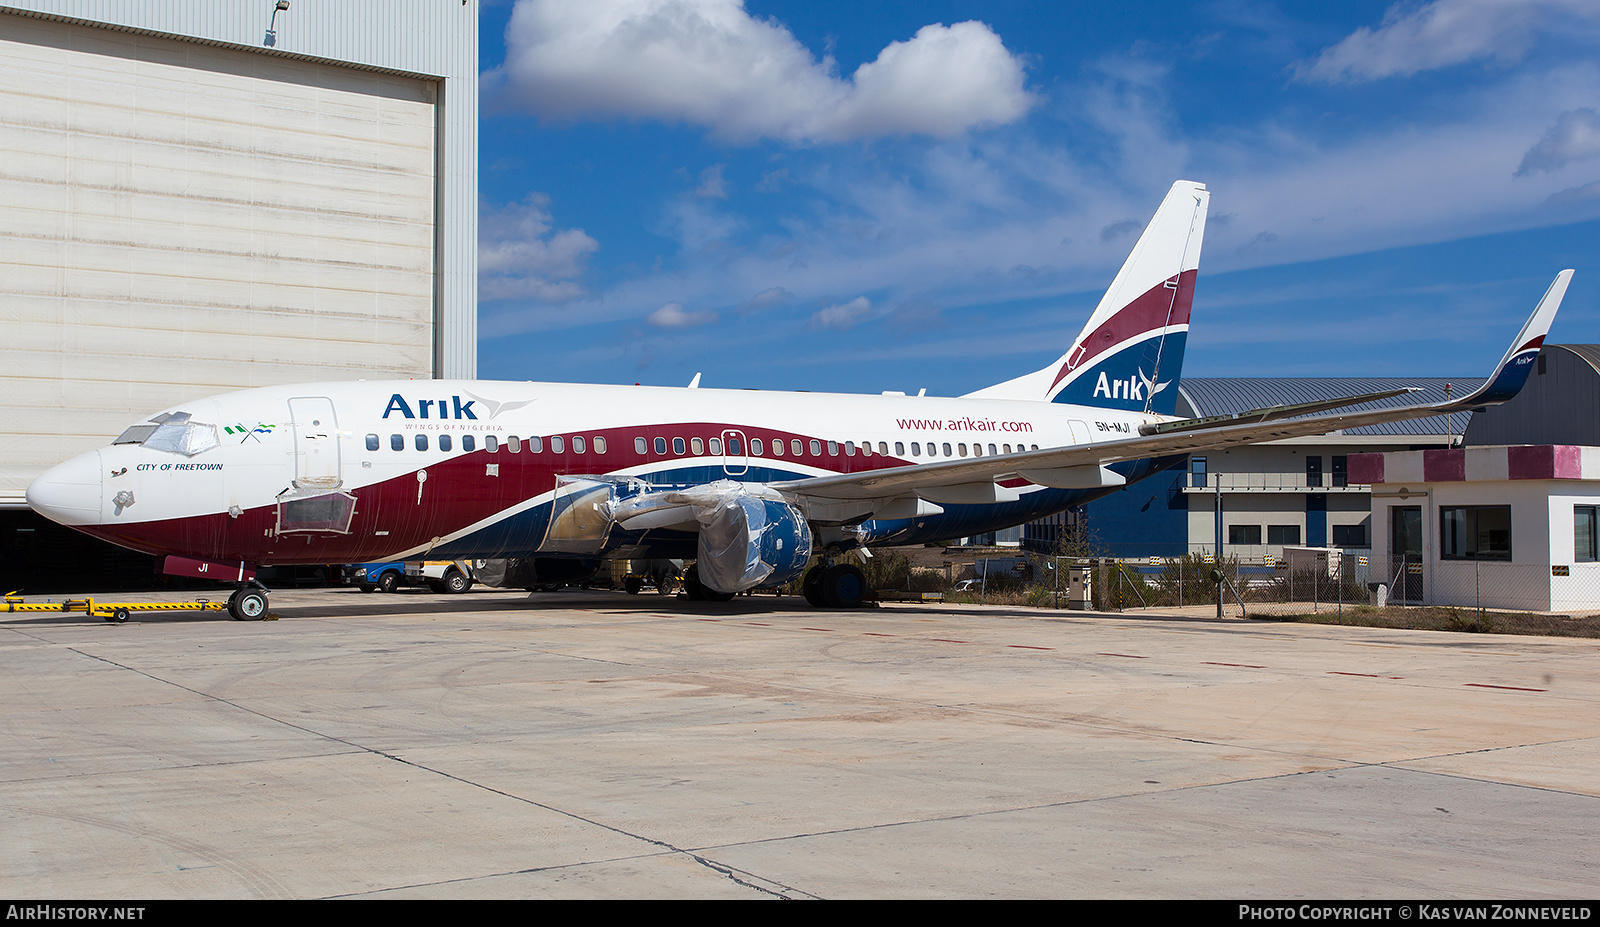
x,y
749,536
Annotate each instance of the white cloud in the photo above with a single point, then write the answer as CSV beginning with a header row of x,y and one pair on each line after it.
x,y
518,257
842,315
1444,33
672,315
711,183
711,63
1574,137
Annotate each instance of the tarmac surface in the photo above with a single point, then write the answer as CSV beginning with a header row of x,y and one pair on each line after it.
x,y
594,744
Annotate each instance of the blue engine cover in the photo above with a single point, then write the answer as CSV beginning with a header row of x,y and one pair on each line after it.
x,y
747,541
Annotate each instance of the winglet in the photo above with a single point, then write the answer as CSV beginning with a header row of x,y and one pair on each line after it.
x,y
1512,371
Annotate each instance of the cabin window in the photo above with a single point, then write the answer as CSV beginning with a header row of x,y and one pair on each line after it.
x,y
640,446
599,444
444,442
883,448
849,449
514,444
795,445
661,446
816,448
833,449
577,443
397,442
777,447
697,447
1006,448
536,445
716,446
372,442
422,442
916,449
468,442
677,447
947,450
491,443
992,451
899,448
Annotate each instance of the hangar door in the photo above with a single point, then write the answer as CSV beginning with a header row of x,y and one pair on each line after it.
x,y
179,220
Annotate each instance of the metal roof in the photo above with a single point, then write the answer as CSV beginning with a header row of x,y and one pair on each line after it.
x,y
1200,396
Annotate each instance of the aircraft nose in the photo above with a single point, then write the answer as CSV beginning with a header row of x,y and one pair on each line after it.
x,y
69,493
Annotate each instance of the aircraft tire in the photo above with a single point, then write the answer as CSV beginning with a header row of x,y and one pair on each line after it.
x,y
844,586
248,605
389,581
811,586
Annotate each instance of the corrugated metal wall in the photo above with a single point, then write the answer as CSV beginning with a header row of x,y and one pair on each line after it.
x,y
181,218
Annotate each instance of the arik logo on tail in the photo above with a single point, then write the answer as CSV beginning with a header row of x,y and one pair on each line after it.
x,y
1137,388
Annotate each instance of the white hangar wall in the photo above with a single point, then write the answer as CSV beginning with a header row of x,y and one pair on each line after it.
x,y
185,210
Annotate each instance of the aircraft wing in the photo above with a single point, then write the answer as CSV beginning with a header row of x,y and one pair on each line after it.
x,y
1084,466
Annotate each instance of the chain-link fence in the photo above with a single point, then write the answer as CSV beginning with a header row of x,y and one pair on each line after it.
x,y
1308,584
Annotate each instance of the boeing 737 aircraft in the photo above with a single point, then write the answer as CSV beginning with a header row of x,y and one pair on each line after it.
x,y
748,484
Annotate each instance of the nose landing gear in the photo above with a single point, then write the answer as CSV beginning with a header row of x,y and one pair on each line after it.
x,y
248,603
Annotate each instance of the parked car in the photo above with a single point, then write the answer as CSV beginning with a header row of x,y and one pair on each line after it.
x,y
439,575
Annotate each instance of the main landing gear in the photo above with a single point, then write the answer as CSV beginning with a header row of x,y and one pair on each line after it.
x,y
841,585
248,603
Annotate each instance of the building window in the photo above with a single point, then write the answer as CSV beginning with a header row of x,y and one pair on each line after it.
x,y
1584,541
1244,534
1197,471
1283,534
1475,532
1341,470
1314,471
1349,535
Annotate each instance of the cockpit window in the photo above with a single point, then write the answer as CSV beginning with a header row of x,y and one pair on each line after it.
x,y
173,432
136,433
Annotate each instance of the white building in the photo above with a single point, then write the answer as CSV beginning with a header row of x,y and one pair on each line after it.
x,y
205,195
1501,526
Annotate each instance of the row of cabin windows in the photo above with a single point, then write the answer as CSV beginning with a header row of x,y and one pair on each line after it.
x,y
694,446
492,443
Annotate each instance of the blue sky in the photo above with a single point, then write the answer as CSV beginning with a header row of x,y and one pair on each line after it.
x,y
902,195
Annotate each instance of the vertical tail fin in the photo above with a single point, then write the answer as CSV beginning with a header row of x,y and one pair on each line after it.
x,y
1130,352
